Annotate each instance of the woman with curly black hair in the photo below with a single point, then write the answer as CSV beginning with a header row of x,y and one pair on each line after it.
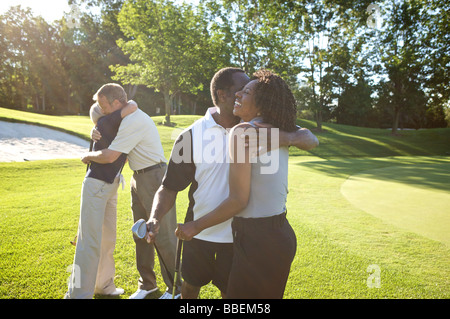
x,y
275,101
264,243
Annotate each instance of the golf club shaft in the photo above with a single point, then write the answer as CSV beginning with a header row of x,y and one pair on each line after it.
x,y
177,265
161,259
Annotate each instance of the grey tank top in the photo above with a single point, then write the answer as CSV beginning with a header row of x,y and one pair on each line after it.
x,y
269,184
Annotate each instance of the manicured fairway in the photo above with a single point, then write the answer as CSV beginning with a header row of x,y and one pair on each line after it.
x,y
361,200
412,197
336,241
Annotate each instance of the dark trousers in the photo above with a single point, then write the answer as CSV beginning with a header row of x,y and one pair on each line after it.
x,y
263,251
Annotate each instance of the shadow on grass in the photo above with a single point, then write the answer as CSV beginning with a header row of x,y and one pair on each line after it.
x,y
350,141
422,171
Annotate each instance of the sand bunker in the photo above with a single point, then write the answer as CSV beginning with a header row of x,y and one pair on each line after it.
x,y
24,142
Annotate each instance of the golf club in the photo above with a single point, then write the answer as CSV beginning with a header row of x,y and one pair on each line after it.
x,y
177,265
163,263
139,229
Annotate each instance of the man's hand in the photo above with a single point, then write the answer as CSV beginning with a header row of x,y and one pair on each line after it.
x,y
303,139
152,230
95,135
187,231
264,137
252,138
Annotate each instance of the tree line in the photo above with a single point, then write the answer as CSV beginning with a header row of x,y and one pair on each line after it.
x,y
366,63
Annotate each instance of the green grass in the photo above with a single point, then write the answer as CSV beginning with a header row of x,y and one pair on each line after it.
x,y
337,241
351,141
414,199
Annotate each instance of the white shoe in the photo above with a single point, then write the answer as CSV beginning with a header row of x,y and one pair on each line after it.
x,y
167,295
141,294
115,293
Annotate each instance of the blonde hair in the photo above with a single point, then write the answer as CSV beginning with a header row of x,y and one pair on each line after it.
x,y
95,112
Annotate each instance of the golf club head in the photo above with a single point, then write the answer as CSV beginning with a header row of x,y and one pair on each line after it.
x,y
139,228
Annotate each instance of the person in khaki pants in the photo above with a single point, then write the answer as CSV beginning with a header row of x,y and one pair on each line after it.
x,y
93,268
94,261
138,137
143,188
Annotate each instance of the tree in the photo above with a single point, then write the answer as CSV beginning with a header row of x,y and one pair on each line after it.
x,y
323,32
52,68
435,40
47,77
355,104
88,51
14,57
167,45
256,34
405,52
31,72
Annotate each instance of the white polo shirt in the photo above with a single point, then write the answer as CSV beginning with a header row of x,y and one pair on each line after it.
x,y
139,138
200,158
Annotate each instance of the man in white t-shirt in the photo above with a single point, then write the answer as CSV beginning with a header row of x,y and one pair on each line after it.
x,y
138,137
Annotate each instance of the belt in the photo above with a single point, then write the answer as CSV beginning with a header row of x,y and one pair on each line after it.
x,y
271,221
140,171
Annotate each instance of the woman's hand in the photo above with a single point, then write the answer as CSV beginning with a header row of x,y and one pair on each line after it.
x,y
85,158
187,231
95,135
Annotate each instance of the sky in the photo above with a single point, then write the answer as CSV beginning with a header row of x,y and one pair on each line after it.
x,y
50,10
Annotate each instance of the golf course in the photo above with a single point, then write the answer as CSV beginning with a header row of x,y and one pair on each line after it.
x,y
371,212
